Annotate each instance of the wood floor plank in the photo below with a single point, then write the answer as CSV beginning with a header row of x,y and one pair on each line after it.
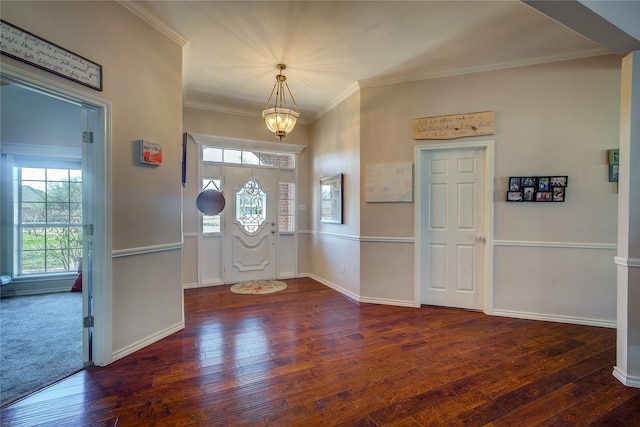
x,y
309,356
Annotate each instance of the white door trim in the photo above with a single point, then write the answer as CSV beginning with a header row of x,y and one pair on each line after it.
x,y
101,190
246,144
488,150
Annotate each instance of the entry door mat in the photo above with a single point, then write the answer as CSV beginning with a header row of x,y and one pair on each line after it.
x,y
256,287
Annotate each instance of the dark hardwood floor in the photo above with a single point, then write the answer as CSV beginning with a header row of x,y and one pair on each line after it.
x,y
308,356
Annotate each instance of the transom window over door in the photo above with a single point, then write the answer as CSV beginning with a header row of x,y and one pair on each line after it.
x,y
251,206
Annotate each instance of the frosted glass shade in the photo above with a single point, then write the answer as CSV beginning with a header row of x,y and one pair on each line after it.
x,y
280,121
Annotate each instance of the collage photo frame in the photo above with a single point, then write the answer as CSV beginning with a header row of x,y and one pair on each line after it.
x,y
537,188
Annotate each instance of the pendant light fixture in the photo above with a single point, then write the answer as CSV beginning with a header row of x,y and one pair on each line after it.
x,y
280,119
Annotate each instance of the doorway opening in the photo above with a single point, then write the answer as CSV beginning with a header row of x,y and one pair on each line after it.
x,y
48,129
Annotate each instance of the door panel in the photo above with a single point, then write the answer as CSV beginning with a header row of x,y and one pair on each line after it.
x,y
452,227
89,120
250,224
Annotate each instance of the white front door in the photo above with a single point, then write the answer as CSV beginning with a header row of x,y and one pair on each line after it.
x,y
452,210
250,234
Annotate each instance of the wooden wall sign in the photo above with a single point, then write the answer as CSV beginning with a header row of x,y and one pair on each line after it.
x,y
454,126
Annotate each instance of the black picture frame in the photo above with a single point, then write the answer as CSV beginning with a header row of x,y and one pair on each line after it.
x,y
514,196
31,49
558,193
529,194
514,184
544,196
184,159
558,181
614,173
543,183
541,189
331,199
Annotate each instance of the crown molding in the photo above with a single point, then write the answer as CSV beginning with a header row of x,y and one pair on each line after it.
x,y
218,108
146,15
523,62
344,95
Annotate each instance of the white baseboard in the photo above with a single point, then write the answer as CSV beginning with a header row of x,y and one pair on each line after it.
x,y
217,282
190,285
504,313
146,341
395,302
624,378
335,287
14,292
555,318
358,298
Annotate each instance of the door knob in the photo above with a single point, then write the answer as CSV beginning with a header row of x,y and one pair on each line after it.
x,y
480,238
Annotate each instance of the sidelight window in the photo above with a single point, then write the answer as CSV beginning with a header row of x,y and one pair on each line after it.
x,y
211,223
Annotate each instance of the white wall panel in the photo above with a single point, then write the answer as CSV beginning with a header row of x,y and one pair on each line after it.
x,y
287,255
210,260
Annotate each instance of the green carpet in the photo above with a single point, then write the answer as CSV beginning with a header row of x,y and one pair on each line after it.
x,y
40,342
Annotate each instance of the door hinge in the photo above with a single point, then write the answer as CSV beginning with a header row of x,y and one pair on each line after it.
x,y
87,322
87,229
87,137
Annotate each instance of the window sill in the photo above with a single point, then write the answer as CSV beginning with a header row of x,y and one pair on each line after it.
x,y
43,277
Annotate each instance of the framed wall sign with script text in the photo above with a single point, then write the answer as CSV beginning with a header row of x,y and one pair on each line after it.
x,y
33,50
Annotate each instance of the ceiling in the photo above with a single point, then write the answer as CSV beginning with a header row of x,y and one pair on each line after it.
x,y
331,48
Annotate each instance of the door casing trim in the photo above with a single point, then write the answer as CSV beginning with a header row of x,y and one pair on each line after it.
x,y
488,151
101,188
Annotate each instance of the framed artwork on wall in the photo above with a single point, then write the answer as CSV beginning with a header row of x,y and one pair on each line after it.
x,y
150,153
537,188
331,199
389,182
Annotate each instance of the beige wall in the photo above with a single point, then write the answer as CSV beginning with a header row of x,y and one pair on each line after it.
x,y
557,118
142,73
335,148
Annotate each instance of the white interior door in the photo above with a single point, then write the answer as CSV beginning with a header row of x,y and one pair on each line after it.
x,y
89,120
452,227
250,231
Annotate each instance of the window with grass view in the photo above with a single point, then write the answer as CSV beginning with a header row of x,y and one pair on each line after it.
x,y
48,220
